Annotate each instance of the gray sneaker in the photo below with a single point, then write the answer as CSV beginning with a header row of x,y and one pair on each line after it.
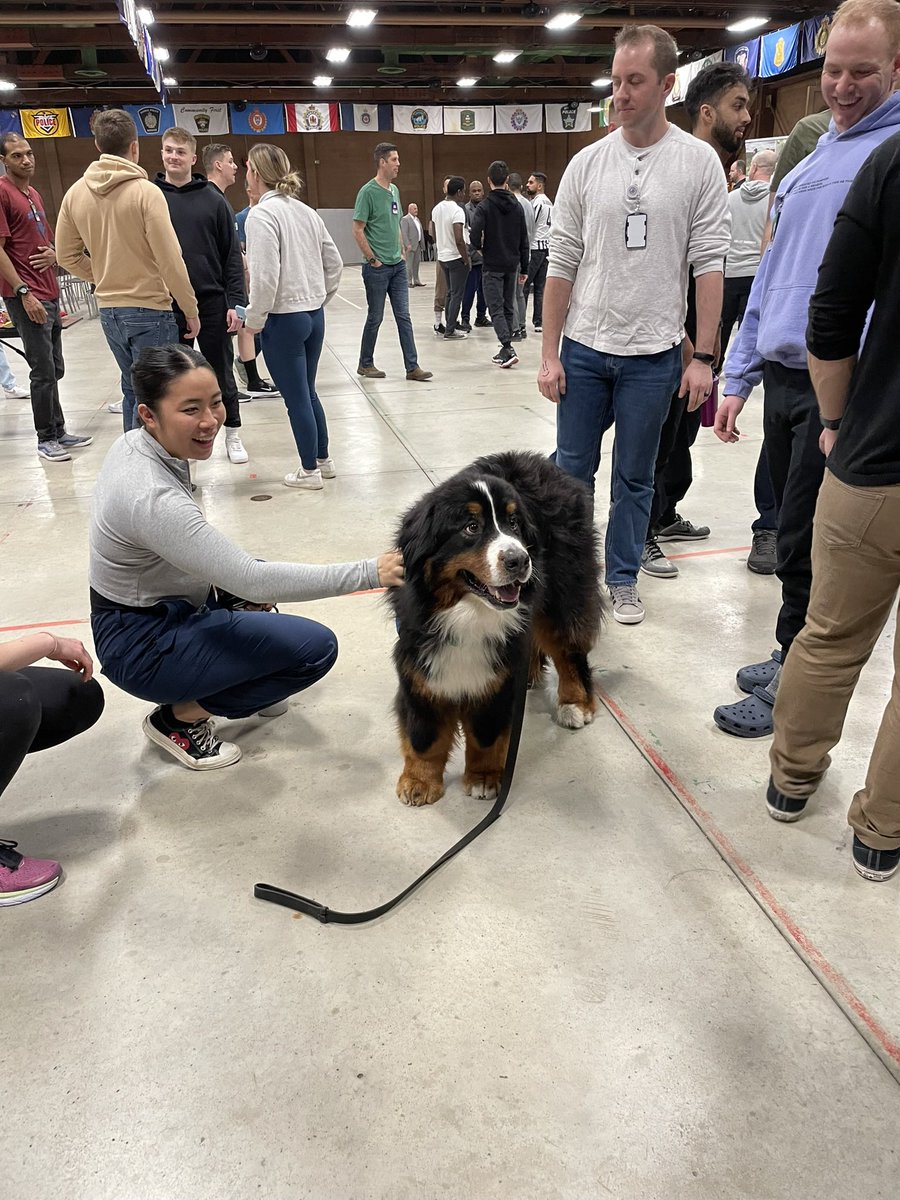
x,y
74,441
654,562
627,607
762,558
53,451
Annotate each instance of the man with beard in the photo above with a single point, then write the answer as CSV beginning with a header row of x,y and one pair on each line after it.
x,y
474,289
717,102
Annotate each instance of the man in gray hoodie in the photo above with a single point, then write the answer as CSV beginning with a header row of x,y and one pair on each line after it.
x,y
749,206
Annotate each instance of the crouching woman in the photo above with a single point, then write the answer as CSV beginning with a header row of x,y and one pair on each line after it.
x,y
182,616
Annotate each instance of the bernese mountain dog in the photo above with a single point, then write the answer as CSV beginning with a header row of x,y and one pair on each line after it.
x,y
502,556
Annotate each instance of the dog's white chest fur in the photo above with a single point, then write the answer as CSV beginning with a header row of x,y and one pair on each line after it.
x,y
464,660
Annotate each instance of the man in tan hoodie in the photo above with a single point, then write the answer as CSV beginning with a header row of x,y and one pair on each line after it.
x,y
114,230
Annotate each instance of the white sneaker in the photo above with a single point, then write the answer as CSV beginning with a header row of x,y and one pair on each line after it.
x,y
235,447
116,408
326,466
16,393
301,478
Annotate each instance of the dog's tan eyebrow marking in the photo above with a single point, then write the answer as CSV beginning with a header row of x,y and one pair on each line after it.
x,y
475,508
510,507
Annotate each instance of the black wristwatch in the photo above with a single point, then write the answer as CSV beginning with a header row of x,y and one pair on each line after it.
x,y
834,426
23,289
708,359
372,261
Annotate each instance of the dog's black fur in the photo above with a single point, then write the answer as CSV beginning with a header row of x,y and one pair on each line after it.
x,y
523,504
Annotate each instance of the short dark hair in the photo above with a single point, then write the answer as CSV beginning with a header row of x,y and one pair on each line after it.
x,y
541,176
455,185
515,181
114,130
383,150
157,367
498,172
665,50
7,137
741,165
213,152
711,84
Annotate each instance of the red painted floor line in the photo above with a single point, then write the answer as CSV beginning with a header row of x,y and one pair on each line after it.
x,y
780,917
705,553
43,625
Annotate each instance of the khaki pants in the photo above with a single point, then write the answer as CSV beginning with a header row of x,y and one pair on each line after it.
x,y
440,289
856,574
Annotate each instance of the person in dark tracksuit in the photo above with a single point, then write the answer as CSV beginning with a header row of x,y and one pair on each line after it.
x,y
498,230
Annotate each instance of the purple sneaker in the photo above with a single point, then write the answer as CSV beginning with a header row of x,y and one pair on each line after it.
x,y
23,879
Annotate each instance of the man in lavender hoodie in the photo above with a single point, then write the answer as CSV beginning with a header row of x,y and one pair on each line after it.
x,y
861,70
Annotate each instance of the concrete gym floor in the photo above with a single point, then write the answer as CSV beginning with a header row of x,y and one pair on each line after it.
x,y
634,985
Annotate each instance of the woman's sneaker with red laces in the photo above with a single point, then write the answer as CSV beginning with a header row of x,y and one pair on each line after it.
x,y
194,744
23,879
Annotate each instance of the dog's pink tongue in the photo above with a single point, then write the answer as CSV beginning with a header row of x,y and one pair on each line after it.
x,y
508,592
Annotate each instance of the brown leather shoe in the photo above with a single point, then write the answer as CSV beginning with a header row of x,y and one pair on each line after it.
x,y
418,374
370,372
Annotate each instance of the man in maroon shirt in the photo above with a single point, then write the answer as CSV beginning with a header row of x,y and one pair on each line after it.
x,y
29,285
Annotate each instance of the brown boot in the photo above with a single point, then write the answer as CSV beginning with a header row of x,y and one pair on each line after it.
x,y
370,372
418,374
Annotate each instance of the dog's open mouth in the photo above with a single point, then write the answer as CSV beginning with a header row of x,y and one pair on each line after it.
x,y
506,596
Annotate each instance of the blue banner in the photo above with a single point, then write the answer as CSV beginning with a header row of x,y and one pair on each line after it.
x,y
151,119
10,121
746,55
367,116
779,51
257,120
83,118
813,38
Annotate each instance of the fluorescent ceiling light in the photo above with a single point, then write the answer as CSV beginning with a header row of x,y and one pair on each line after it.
x,y
506,56
746,24
563,20
161,54
601,82
359,18
169,81
338,54
466,81
7,86
322,81
146,15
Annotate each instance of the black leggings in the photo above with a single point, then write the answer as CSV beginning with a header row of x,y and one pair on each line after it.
x,y
41,707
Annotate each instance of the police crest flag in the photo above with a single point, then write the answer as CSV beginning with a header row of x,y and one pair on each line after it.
x,y
571,117
469,118
256,120
45,122
312,117
779,51
202,118
418,118
362,117
519,118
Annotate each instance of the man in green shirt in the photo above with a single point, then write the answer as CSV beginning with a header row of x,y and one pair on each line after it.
x,y
376,228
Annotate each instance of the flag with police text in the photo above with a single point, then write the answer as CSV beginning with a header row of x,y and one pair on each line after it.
x,y
45,122
567,118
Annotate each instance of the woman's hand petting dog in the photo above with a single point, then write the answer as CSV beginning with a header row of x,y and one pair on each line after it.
x,y
390,569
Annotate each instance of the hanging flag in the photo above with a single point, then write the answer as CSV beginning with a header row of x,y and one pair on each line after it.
x,y
567,118
202,118
45,122
83,119
519,118
779,51
746,55
312,117
814,37
365,116
10,121
152,119
469,119
418,118
257,119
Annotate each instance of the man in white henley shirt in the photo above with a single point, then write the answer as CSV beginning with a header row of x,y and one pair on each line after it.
x,y
632,213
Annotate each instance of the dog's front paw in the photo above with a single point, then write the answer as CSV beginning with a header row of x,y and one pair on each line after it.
x,y
417,792
483,784
574,716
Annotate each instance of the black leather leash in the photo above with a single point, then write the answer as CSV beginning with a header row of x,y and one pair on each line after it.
x,y
302,904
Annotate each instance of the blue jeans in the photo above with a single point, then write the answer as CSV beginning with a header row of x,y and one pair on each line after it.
x,y
381,282
128,331
231,663
474,291
635,393
292,344
7,379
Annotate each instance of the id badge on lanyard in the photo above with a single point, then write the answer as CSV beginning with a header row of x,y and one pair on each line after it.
x,y
636,231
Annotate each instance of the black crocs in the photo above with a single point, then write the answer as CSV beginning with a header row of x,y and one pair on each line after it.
x,y
750,718
759,674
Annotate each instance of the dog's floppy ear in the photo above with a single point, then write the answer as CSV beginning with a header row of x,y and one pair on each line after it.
x,y
416,537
